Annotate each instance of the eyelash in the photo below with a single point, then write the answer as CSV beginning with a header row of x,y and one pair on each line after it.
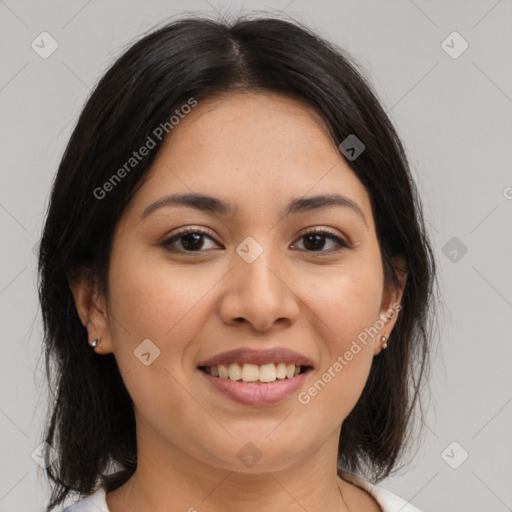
x,y
186,231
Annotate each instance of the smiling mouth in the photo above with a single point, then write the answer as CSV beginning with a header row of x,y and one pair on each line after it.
x,y
255,374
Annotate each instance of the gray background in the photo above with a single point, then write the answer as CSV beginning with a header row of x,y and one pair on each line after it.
x,y
455,117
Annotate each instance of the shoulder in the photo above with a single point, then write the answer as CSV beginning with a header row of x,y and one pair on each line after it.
x,y
95,502
388,501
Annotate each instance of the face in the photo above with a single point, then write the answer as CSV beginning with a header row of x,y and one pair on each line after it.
x,y
254,275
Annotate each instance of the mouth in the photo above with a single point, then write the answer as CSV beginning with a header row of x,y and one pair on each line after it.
x,y
256,377
249,373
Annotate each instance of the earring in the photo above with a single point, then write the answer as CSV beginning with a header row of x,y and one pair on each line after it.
x,y
94,343
384,342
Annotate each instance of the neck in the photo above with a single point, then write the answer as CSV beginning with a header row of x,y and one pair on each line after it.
x,y
168,478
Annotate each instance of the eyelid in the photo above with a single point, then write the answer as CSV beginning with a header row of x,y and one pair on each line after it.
x,y
190,229
318,229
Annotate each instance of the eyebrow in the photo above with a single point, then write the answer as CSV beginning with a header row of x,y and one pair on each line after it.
x,y
207,203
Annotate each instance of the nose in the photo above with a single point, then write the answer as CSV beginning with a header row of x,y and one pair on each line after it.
x,y
260,293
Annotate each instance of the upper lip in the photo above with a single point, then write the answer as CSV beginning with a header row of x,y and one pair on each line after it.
x,y
259,357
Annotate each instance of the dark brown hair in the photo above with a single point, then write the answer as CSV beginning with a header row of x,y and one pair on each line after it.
x,y
92,424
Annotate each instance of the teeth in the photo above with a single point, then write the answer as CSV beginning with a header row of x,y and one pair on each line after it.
x,y
253,373
281,371
235,371
268,372
223,371
250,372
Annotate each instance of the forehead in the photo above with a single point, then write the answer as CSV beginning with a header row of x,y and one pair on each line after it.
x,y
255,150
236,124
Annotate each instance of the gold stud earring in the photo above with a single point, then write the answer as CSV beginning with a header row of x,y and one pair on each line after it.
x,y
384,342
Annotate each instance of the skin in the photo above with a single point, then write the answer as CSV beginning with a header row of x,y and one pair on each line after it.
x,y
258,151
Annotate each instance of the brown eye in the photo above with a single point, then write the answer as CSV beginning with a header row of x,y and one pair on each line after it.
x,y
315,241
191,240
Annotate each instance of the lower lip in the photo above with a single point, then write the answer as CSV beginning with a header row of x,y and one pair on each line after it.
x,y
256,394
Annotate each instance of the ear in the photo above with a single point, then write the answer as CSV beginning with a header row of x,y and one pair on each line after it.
x,y
91,309
391,302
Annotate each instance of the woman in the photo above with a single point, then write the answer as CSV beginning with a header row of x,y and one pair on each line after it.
x,y
235,281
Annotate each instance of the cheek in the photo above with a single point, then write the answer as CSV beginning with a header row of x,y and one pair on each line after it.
x,y
159,302
346,302
345,309
152,301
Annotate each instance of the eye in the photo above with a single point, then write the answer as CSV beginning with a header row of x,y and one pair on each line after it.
x,y
314,240
191,240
